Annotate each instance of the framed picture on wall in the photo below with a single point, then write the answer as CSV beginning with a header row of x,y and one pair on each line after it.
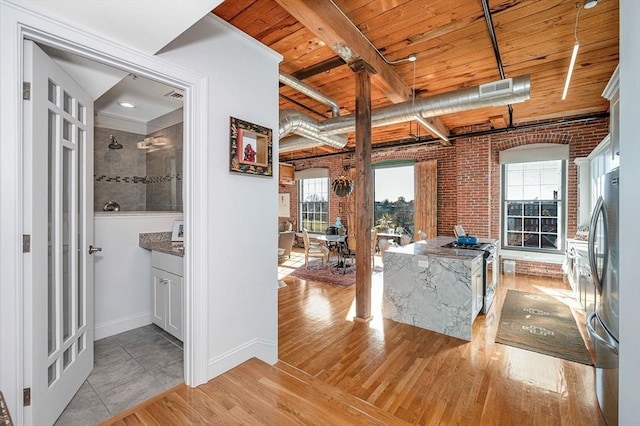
x,y
178,230
250,148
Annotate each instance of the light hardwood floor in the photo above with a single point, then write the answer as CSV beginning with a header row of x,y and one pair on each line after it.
x,y
333,371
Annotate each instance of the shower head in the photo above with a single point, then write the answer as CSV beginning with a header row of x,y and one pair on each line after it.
x,y
114,143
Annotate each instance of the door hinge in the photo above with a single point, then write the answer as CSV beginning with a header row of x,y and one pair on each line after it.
x,y
26,243
26,90
26,397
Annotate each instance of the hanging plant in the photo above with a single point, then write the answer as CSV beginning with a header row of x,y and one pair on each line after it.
x,y
342,186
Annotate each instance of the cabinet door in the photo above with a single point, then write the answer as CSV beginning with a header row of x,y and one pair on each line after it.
x,y
159,314
174,306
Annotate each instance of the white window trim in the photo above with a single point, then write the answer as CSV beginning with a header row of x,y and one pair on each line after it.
x,y
312,173
316,173
526,154
534,152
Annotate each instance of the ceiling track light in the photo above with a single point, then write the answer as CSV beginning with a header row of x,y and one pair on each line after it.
x,y
572,64
433,129
419,118
588,4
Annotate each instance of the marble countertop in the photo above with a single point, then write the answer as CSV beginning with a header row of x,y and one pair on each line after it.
x,y
160,241
433,287
433,247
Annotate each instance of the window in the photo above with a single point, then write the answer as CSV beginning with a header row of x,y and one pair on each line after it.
x,y
313,205
394,196
534,205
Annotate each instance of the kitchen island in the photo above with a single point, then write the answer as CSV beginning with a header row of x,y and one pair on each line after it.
x,y
436,288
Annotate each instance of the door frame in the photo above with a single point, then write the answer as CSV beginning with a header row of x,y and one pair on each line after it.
x,y
18,23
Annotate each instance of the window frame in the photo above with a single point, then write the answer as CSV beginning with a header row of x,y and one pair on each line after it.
x,y
562,215
393,164
302,202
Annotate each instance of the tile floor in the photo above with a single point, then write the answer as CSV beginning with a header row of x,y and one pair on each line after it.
x,y
129,368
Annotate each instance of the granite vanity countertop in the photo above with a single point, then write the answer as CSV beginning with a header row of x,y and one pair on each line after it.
x,y
160,241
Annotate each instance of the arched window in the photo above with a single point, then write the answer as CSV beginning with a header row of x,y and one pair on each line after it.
x,y
313,199
534,197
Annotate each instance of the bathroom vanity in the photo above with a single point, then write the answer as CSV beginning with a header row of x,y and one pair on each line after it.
x,y
168,284
167,292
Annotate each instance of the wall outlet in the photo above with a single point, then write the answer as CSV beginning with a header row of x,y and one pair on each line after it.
x,y
423,263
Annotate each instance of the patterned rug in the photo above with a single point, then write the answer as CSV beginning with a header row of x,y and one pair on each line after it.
x,y
540,323
328,273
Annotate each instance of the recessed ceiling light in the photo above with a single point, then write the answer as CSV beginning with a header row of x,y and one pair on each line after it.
x,y
126,104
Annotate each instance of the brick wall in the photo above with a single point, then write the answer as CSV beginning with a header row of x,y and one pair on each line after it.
x,y
526,267
469,177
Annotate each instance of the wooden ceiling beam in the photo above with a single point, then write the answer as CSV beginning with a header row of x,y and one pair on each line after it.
x,y
319,68
329,24
498,122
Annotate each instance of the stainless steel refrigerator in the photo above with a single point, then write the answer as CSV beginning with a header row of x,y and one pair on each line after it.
x,y
603,324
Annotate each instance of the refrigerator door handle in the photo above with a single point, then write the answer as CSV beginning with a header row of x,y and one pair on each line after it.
x,y
597,211
608,343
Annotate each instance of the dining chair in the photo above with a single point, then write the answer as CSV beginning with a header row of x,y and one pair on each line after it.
x,y
348,251
374,243
332,246
313,249
383,245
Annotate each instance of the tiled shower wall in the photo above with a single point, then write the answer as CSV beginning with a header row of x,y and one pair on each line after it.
x,y
119,173
138,179
164,171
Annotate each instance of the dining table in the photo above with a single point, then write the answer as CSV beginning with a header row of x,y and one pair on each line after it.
x,y
390,236
332,240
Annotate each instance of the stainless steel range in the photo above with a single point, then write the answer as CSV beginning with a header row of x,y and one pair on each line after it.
x,y
490,274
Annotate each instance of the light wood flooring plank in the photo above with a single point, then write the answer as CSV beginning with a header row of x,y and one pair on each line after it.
x,y
335,371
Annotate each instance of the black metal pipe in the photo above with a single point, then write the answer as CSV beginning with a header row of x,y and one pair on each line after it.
x,y
428,140
496,50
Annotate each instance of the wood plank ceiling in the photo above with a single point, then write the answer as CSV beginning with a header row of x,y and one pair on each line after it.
x,y
453,48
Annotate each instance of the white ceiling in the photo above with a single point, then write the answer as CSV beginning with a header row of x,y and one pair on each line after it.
x,y
95,78
108,85
145,25
147,95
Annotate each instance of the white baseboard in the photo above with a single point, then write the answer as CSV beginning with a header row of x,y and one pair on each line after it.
x,y
262,349
121,325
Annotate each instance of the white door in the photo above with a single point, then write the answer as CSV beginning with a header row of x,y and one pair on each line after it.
x,y
58,208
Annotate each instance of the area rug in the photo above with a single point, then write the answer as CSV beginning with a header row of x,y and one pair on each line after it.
x,y
540,323
327,273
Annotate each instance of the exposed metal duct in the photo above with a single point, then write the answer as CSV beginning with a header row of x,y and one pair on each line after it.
x,y
502,92
297,143
438,105
301,87
293,121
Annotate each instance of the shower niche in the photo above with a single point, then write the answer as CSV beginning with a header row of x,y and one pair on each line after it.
x,y
138,172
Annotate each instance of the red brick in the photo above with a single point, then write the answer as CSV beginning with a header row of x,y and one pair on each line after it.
x,y
469,176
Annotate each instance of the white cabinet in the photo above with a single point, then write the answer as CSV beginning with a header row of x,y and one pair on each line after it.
x,y
167,292
611,92
476,286
579,274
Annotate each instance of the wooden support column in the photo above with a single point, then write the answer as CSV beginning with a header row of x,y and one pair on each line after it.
x,y
363,190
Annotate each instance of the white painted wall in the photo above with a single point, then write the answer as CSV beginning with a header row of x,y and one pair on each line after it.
x,y
230,239
629,212
242,208
122,274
